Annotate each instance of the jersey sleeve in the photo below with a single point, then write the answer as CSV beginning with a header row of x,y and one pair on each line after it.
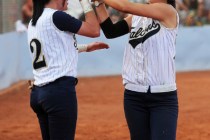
x,y
65,22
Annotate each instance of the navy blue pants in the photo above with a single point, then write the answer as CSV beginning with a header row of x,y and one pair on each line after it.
x,y
55,105
151,116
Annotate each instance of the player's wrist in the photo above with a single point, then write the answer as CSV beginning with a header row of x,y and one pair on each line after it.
x,y
98,3
82,47
86,6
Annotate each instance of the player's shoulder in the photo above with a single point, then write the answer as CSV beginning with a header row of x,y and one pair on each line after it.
x,y
49,11
60,14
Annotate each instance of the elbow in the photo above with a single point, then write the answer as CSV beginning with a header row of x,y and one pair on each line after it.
x,y
96,34
93,33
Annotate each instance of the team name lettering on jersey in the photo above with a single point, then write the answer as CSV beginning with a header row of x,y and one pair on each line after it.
x,y
142,35
148,61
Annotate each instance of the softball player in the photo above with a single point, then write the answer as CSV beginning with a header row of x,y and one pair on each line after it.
x,y
51,37
150,98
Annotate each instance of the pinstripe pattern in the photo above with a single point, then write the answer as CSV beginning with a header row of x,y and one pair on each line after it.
x,y
150,63
57,47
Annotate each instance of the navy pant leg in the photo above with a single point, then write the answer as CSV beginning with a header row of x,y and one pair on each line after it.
x,y
137,115
56,107
151,116
44,125
41,114
163,117
62,115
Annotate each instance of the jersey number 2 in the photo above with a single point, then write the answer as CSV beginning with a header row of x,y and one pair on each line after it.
x,y
39,60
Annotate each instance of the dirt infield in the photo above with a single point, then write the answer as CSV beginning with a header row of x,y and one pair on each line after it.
x,y
101,115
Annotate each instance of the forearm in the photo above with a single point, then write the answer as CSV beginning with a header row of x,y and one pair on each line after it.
x,y
102,13
120,5
127,7
154,10
114,30
90,17
110,30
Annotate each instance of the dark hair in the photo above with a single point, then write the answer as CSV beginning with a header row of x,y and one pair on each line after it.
x,y
172,2
38,8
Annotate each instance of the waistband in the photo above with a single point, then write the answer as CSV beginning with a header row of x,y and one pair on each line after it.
x,y
153,89
64,78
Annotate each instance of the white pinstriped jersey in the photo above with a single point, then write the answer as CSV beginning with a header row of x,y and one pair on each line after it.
x,y
54,51
149,58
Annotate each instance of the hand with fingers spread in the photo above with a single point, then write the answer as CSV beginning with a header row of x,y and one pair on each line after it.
x,y
92,47
97,46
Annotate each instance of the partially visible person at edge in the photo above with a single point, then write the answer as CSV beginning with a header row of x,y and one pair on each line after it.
x,y
26,15
54,50
27,12
150,97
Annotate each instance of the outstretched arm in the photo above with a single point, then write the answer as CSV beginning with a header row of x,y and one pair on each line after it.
x,y
90,26
155,10
112,30
159,11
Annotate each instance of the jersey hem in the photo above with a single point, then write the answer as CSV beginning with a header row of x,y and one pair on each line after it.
x,y
153,89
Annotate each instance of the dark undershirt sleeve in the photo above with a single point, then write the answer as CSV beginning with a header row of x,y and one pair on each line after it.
x,y
114,30
65,22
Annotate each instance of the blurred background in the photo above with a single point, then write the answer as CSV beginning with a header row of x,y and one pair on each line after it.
x,y
100,85
192,12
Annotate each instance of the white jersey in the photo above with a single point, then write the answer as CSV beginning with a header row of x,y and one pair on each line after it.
x,y
149,59
54,51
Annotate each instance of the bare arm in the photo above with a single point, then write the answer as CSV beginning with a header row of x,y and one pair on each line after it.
x,y
128,19
90,27
103,15
159,11
112,30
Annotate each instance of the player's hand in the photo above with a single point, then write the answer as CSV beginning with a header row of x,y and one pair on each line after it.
x,y
97,46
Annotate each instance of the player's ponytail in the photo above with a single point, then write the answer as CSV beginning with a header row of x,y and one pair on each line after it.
x,y
38,8
172,2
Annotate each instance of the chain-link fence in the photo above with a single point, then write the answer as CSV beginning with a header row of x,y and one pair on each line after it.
x,y
10,12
